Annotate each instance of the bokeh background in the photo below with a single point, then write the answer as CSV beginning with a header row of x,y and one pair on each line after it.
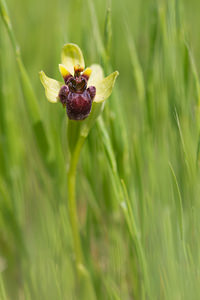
x,y
138,181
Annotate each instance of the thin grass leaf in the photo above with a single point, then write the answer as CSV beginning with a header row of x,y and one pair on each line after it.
x,y
29,95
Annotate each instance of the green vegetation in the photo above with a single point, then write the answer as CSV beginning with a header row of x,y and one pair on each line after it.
x,y
138,178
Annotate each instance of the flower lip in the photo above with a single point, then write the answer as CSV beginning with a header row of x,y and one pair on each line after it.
x,y
78,105
75,95
63,93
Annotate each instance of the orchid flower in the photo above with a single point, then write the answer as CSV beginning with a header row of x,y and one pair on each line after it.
x,y
82,86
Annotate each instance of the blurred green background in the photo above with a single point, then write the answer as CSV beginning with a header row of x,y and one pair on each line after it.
x,y
138,180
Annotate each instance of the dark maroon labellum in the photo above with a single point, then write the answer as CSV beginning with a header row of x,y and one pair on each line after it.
x,y
77,97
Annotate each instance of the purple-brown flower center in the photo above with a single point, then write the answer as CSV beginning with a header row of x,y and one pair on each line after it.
x,y
77,84
76,96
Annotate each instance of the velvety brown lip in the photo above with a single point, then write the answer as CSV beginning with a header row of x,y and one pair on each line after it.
x,y
76,96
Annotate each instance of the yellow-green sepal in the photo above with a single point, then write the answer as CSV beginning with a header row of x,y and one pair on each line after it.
x,y
72,56
52,87
104,87
96,75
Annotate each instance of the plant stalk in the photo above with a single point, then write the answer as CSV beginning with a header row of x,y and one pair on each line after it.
x,y
71,184
86,290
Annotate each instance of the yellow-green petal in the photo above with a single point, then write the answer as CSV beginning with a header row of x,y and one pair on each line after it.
x,y
51,86
104,87
71,56
64,72
96,75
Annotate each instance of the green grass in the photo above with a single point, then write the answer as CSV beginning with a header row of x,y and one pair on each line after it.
x,y
138,179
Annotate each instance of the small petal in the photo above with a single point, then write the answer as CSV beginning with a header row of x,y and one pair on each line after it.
x,y
52,87
96,75
72,56
104,87
64,72
87,73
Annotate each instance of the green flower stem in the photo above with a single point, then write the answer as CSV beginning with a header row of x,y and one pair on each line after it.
x,y
86,286
71,184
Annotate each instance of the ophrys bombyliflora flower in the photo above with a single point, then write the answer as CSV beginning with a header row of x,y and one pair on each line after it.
x,y
81,86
